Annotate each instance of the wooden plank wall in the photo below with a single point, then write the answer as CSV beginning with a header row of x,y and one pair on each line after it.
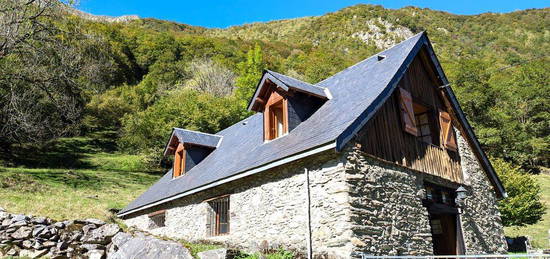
x,y
383,136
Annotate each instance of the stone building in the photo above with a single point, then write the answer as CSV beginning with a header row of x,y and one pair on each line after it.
x,y
377,159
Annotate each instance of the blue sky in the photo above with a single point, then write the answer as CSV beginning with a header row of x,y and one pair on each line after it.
x,y
221,14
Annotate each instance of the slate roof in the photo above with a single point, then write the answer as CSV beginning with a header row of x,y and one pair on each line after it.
x,y
195,138
357,92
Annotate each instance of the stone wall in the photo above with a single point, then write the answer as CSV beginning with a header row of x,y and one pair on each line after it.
x,y
481,223
388,215
387,212
269,210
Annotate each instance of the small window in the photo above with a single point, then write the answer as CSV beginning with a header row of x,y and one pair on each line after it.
x,y
423,121
276,125
157,219
275,117
179,161
218,216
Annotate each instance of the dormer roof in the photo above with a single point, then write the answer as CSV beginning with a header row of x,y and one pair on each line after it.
x,y
284,84
191,137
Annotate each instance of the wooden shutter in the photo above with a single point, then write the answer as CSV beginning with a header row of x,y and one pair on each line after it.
x,y
448,139
407,112
179,161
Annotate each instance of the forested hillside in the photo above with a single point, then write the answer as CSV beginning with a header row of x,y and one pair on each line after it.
x,y
143,77
87,98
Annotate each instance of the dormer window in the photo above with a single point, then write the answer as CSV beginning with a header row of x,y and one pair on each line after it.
x,y
285,102
275,117
189,148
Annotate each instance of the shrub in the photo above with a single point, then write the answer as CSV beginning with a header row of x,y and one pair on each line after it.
x,y
523,205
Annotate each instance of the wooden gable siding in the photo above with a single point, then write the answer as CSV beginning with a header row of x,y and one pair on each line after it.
x,y
383,136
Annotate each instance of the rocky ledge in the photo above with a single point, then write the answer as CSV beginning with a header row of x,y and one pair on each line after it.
x,y
34,237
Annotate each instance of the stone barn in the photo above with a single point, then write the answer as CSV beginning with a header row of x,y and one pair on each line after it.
x,y
377,159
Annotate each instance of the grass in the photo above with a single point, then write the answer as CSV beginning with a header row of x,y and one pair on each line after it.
x,y
196,248
538,233
72,178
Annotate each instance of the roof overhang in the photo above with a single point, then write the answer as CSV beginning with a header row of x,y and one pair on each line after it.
x,y
284,84
318,149
191,137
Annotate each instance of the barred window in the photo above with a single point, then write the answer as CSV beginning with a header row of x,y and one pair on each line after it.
x,y
218,216
157,219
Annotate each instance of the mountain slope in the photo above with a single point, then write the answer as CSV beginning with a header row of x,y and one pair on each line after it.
x,y
502,37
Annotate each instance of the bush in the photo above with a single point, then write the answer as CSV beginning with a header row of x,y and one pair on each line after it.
x,y
523,205
147,131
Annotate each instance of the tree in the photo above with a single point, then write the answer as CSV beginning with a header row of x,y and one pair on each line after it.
x,y
145,131
209,77
524,115
45,81
250,72
523,205
21,21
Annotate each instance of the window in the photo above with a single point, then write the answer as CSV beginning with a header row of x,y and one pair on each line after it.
x,y
423,118
218,216
179,161
421,121
275,117
276,125
157,219
439,194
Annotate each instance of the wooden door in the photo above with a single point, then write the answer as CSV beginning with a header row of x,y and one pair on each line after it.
x,y
444,233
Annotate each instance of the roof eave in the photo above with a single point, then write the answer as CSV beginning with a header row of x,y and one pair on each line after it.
x,y
321,148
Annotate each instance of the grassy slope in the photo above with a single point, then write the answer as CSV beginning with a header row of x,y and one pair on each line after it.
x,y
538,232
72,178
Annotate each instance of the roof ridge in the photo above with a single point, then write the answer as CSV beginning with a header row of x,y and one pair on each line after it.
x,y
271,72
195,131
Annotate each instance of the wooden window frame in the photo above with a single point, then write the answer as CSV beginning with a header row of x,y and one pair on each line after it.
x,y
218,215
270,122
179,161
423,109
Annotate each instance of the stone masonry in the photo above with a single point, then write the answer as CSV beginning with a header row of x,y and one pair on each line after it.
x,y
269,210
481,222
359,204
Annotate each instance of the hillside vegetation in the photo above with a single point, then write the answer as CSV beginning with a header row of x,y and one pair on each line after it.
x,y
139,78
128,76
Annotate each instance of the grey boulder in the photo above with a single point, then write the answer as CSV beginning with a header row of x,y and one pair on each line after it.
x,y
101,235
148,247
96,254
221,253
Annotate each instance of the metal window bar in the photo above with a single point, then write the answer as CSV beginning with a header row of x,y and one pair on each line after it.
x,y
218,216
506,256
